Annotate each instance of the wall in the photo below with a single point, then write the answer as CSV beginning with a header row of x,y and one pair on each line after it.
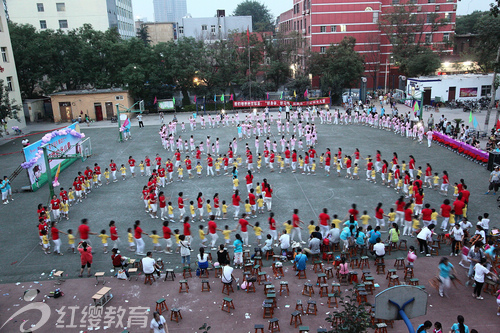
x,y
9,71
192,27
32,109
160,32
85,103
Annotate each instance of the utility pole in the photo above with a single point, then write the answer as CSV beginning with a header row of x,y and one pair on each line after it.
x,y
493,94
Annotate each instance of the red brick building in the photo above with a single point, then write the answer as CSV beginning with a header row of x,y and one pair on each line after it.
x,y
325,22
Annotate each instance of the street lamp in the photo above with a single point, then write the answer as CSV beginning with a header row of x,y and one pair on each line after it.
x,y
387,72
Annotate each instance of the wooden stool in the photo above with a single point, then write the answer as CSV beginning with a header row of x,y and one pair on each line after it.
x,y
322,330
167,273
353,277
408,273
354,262
204,274
403,245
381,328
299,307
308,289
149,278
256,269
268,311
274,325
364,262
379,260
311,307
227,287
268,288
59,275
380,268
332,298
161,305
321,278
259,328
369,287
394,281
362,297
262,276
329,256
205,285
183,286
318,266
257,260
276,257
218,272
399,263
101,276
132,271
227,304
186,272
344,278
329,272
269,254
302,274
433,250
102,297
296,318
323,290
247,268
272,297
303,329
365,274
413,282
335,285
390,272
284,287
250,287
175,314
246,255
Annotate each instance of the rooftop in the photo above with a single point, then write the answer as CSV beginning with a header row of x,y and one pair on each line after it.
x,y
89,91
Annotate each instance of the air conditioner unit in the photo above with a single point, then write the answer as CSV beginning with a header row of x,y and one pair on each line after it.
x,y
303,12
419,8
438,8
303,31
454,7
307,11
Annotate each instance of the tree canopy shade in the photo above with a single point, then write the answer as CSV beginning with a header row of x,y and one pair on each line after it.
x,y
495,8
467,24
8,107
262,20
488,29
339,67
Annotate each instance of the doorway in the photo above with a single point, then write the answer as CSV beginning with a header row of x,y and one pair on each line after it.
x,y
65,111
109,110
98,111
451,93
427,96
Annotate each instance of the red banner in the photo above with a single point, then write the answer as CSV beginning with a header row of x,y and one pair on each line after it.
x,y
263,104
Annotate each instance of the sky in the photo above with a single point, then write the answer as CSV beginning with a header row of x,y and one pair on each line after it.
x,y
207,8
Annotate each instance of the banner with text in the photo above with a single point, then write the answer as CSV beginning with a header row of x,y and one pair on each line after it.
x,y
263,104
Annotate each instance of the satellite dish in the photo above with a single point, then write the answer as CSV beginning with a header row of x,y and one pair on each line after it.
x,y
364,79
403,78
30,294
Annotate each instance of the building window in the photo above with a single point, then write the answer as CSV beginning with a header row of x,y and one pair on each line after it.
x,y
413,2
9,84
447,16
181,30
39,6
322,49
334,28
119,97
438,8
343,28
431,1
446,37
323,29
43,24
485,90
4,54
395,2
375,17
428,38
63,24
204,27
61,7
430,18
212,29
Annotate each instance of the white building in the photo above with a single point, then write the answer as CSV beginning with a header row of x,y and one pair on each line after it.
x,y
445,88
72,14
8,73
169,10
213,28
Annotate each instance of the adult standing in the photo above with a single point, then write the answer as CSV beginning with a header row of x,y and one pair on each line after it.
x,y
249,180
139,242
84,231
423,237
475,256
457,238
158,323
445,211
458,207
55,238
324,218
85,258
272,228
243,225
236,203
400,210
212,231
445,270
114,234
268,199
494,180
238,251
185,250
296,221
479,272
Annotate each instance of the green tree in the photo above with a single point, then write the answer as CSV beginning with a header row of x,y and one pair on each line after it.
x,y
488,29
262,20
8,107
467,24
339,67
423,62
143,34
495,8
353,319
299,86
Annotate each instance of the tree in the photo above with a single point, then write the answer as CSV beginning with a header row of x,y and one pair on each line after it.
x,y
407,31
8,107
299,86
423,62
353,319
488,30
495,8
339,67
143,34
467,24
262,20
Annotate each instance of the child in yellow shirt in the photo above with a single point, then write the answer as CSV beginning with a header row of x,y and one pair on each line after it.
x,y
236,183
65,209
301,163
282,165
94,180
224,210
355,172
313,168
198,168
258,190
248,208
419,172
260,204
180,174
130,237
415,225
259,163
177,240
239,160
435,181
390,175
45,242
336,221
258,232
365,218
155,238
104,240
71,196
227,235
217,167
338,168
391,216
141,166
170,211
192,210
106,175
71,240
123,170
288,227
311,227
434,216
